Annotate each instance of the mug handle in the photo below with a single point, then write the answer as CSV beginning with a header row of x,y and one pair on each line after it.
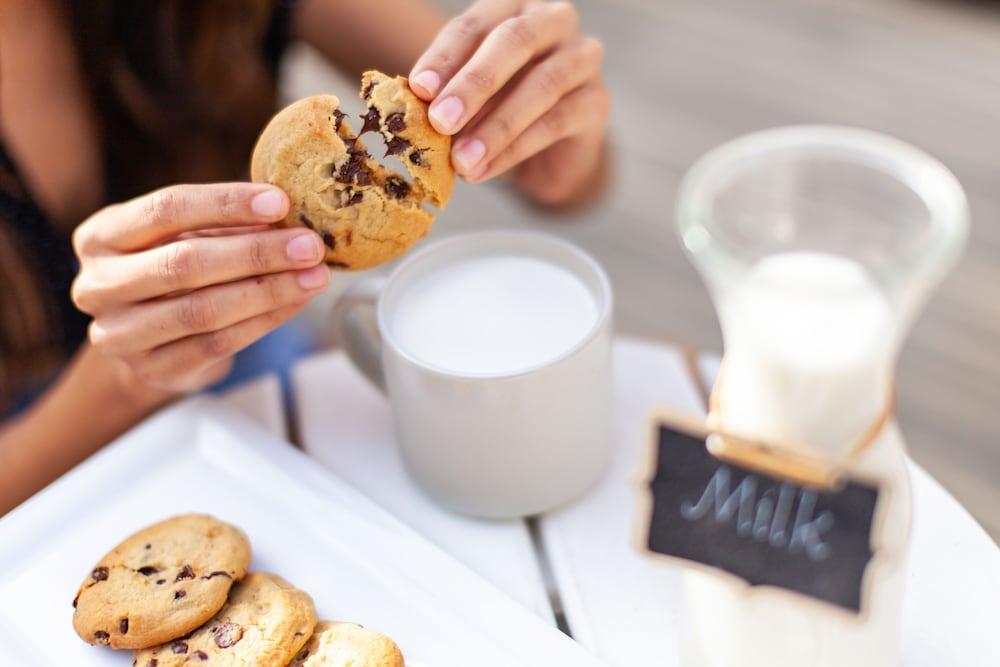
x,y
355,328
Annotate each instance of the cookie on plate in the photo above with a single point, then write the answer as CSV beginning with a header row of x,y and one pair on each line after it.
x,y
160,583
265,623
365,213
336,644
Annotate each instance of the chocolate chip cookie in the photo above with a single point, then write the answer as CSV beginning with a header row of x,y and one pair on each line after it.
x,y
161,582
265,623
336,644
366,213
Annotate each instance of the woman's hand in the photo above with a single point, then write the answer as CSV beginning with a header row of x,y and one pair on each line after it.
x,y
174,303
518,86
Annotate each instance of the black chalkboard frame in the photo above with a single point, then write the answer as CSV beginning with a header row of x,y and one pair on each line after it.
x,y
697,427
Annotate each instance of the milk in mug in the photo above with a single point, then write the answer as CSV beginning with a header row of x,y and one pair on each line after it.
x,y
493,315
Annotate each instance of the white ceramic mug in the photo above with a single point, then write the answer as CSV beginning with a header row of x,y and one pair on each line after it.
x,y
498,444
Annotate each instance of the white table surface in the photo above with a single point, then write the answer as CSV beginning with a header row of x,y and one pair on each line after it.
x,y
578,567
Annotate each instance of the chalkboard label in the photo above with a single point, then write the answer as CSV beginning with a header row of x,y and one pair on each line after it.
x,y
764,530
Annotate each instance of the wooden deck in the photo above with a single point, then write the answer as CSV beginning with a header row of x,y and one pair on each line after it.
x,y
687,75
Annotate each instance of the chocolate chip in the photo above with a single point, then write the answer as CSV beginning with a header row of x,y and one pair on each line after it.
x,y
102,636
329,241
220,573
227,634
147,570
153,662
372,120
397,187
338,119
123,626
395,122
178,648
75,600
355,198
339,265
417,157
354,170
349,170
304,219
349,236
179,594
201,655
367,93
185,573
395,146
99,574
160,581
148,546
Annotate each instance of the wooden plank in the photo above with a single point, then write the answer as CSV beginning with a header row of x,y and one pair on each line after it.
x,y
620,605
345,424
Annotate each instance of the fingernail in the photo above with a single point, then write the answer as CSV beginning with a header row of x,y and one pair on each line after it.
x,y
304,248
314,278
469,154
268,204
428,80
447,113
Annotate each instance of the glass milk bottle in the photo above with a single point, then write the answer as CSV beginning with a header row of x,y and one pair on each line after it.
x,y
819,246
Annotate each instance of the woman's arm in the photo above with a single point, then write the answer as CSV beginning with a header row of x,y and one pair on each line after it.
x,y
359,35
94,400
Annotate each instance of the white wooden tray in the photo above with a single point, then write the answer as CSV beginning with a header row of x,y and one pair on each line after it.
x,y
357,562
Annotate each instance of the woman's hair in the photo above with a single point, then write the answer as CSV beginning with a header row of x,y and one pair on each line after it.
x,y
28,347
180,89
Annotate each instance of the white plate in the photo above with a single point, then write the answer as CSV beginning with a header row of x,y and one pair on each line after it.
x,y
357,562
